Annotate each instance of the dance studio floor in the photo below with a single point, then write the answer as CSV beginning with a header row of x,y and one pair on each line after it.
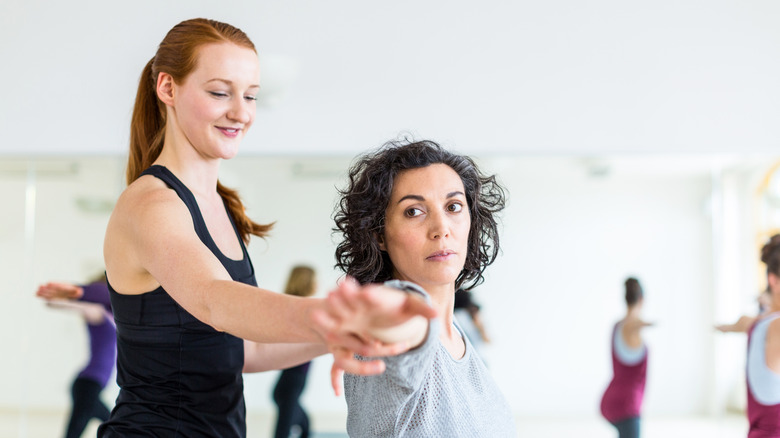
x,y
40,424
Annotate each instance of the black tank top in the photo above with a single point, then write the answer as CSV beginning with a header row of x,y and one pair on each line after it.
x,y
178,377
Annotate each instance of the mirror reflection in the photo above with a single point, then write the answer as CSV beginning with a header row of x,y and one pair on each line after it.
x,y
690,229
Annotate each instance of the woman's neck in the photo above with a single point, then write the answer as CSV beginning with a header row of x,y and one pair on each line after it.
x,y
633,312
198,174
443,300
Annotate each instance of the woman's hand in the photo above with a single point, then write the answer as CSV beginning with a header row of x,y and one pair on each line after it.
x,y
54,290
353,316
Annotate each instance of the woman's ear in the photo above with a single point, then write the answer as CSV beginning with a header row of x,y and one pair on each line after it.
x,y
774,282
165,88
381,241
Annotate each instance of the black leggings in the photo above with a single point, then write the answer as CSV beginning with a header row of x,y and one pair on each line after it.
x,y
286,394
86,406
628,428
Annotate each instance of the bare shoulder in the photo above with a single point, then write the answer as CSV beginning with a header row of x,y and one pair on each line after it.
x,y
144,192
145,213
634,325
146,200
745,322
773,331
772,349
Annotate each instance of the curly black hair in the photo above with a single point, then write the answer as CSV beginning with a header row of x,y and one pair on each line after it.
x,y
360,213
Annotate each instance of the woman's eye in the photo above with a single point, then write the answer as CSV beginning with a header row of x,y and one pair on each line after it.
x,y
217,94
454,208
412,212
252,98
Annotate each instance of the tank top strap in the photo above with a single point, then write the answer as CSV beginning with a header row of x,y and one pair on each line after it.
x,y
162,173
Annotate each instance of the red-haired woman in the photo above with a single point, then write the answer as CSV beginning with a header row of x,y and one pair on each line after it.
x,y
182,285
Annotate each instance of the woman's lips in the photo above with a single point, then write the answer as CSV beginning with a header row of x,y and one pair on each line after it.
x,y
230,132
441,255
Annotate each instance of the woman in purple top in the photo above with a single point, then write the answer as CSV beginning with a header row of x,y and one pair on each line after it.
x,y
92,302
621,403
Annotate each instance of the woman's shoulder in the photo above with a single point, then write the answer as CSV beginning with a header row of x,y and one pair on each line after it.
x,y
773,324
634,323
147,192
144,204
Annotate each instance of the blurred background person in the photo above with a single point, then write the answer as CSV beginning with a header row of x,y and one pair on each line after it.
x,y
292,420
763,352
91,301
621,403
468,315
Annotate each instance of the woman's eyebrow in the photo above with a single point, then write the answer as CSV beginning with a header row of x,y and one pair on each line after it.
x,y
229,82
421,198
412,197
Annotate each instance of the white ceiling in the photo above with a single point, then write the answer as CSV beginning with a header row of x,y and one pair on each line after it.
x,y
556,77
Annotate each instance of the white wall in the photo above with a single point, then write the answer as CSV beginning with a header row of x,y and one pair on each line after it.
x,y
569,240
46,347
556,76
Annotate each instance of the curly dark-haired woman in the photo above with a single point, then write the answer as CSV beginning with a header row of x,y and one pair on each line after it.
x,y
422,221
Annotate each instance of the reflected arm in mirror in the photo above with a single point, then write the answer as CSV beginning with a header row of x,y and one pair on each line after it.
x,y
93,314
57,290
742,325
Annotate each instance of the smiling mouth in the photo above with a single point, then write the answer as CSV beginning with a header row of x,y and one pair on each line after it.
x,y
232,132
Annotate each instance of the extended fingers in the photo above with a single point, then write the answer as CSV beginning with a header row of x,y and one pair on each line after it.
x,y
47,290
378,349
336,336
336,375
346,361
349,341
341,304
344,301
57,290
